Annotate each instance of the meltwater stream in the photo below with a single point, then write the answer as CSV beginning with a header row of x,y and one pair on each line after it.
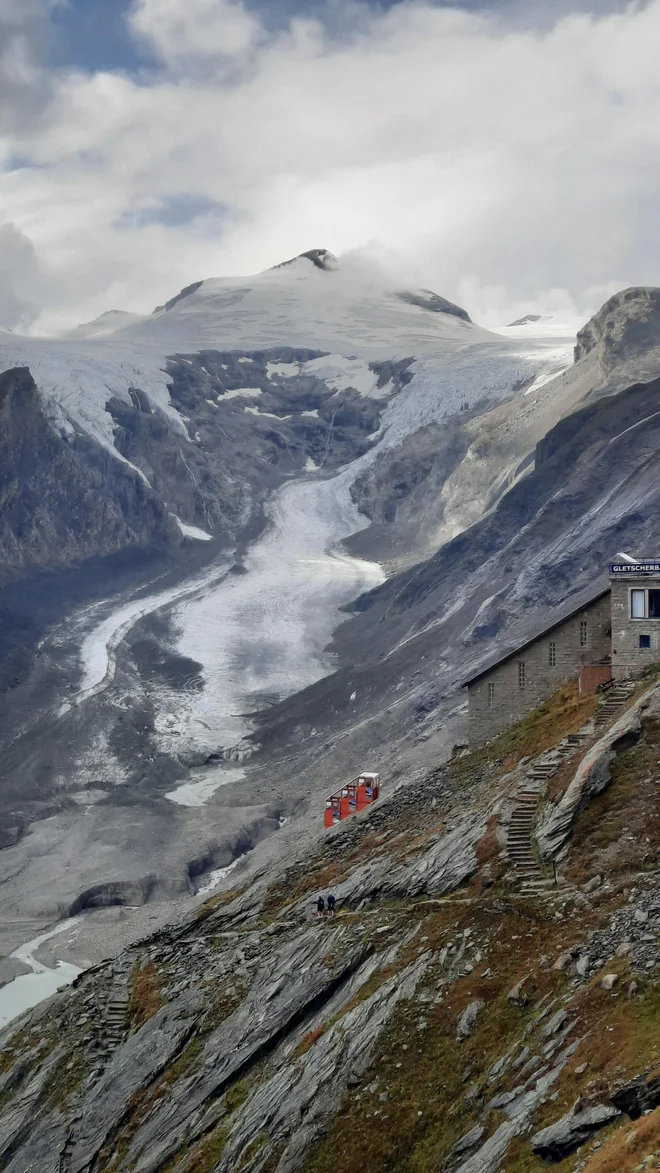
x,y
31,988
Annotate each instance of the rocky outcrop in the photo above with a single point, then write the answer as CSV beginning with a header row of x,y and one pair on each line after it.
x,y
626,325
62,496
519,1109
132,1068
639,1096
427,300
566,1135
467,1019
296,1106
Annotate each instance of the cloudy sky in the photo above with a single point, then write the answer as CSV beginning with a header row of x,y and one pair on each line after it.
x,y
502,152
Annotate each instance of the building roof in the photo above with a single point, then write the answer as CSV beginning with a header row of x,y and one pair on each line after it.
x,y
539,635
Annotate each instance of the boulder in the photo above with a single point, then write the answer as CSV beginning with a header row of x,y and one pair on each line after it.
x,y
609,981
567,1134
583,965
563,961
517,995
466,1020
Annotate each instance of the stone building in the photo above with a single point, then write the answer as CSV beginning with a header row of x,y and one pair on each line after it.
x,y
635,617
518,682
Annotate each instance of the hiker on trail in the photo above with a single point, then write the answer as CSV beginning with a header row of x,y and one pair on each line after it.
x,y
331,904
320,906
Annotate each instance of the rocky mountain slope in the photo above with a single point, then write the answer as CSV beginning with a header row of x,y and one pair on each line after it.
x,y
178,487
277,446
442,1020
587,488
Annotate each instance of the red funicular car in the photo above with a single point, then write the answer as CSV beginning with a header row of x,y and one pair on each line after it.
x,y
354,797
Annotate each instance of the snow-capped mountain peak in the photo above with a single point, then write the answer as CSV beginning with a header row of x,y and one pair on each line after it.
x,y
321,257
350,306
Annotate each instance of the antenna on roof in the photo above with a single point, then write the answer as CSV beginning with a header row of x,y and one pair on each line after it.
x,y
627,558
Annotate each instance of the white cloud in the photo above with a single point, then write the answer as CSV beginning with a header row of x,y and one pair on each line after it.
x,y
19,279
23,85
505,164
179,29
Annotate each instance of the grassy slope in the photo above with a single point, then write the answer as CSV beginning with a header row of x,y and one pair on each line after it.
x,y
425,1089
412,1106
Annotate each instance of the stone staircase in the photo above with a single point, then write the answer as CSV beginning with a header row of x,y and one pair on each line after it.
x,y
106,1036
111,1026
614,700
534,785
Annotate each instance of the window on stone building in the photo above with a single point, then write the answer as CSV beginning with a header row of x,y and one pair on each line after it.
x,y
645,641
521,674
552,655
654,604
638,604
491,695
584,633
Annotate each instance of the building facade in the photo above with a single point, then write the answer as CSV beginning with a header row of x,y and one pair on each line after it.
x,y
635,617
518,683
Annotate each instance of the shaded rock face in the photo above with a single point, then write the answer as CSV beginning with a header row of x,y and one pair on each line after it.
x,y
640,1096
401,493
426,300
566,1135
627,323
320,257
62,497
179,296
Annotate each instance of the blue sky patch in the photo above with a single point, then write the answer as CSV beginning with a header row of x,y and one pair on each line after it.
x,y
94,34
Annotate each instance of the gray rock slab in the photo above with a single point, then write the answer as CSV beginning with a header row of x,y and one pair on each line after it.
x,y
297,1105
467,1020
304,972
563,1137
134,1066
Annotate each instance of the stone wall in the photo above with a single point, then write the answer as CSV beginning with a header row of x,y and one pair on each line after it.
x,y
628,658
508,691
